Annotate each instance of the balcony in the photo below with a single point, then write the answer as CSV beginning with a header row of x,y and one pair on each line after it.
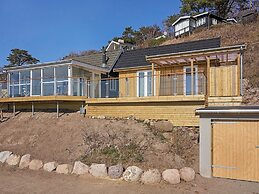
x,y
144,84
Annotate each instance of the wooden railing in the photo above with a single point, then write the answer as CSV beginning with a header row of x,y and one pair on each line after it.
x,y
141,85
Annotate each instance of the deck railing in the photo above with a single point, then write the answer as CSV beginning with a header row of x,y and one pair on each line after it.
x,y
141,85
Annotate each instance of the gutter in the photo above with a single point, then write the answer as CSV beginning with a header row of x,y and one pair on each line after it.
x,y
232,111
235,47
89,66
38,65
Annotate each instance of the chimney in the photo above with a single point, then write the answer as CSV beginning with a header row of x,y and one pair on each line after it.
x,y
121,41
104,58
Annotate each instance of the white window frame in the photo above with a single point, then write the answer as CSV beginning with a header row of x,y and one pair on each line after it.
x,y
145,82
195,79
113,84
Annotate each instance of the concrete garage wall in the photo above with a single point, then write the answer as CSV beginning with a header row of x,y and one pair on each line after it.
x,y
214,114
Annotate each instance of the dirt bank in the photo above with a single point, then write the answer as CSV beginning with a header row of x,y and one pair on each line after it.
x,y
72,137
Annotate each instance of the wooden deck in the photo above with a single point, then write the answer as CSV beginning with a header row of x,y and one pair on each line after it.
x,y
103,100
44,99
190,98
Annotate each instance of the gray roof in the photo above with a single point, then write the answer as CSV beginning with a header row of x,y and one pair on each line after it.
x,y
95,59
137,57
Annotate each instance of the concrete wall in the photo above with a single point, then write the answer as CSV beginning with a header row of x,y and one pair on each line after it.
x,y
206,137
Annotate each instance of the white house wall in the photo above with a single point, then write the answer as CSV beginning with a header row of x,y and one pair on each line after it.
x,y
182,26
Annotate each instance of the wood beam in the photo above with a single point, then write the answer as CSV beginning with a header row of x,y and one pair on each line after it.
x,y
153,79
195,59
227,58
239,75
191,55
177,62
57,109
157,63
1,114
192,78
14,109
208,81
186,60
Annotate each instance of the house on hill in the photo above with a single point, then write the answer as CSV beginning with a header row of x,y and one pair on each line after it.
x,y
119,45
62,78
187,24
165,82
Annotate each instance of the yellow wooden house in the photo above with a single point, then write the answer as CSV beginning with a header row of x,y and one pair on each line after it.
x,y
165,82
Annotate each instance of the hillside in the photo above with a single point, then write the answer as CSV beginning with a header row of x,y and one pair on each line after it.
x,y
231,35
111,141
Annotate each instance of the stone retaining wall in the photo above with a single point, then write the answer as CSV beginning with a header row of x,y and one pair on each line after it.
x,y
130,174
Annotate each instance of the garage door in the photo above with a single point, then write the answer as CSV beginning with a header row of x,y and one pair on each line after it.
x,y
236,150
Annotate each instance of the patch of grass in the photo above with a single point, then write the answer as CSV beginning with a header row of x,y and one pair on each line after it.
x,y
160,136
113,155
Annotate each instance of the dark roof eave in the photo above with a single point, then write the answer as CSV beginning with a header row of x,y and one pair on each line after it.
x,y
127,68
37,65
242,46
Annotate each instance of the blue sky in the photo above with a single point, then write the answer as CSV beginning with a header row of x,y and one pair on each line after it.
x,y
50,29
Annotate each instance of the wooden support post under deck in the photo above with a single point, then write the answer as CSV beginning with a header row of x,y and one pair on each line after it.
x,y
1,115
239,75
192,80
153,79
32,109
208,80
14,110
57,109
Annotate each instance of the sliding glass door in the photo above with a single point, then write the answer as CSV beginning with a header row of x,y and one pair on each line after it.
x,y
144,85
188,81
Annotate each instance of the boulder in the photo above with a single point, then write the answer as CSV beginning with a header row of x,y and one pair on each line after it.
x,y
146,121
35,164
64,169
4,155
161,147
151,177
163,126
171,176
80,168
187,174
13,160
132,174
25,161
115,171
98,170
50,166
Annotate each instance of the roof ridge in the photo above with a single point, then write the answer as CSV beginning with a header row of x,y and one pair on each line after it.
x,y
100,52
160,46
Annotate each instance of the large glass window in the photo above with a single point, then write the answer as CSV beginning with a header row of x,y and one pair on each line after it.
x,y
48,81
14,85
25,82
188,81
145,83
36,82
62,80
80,77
